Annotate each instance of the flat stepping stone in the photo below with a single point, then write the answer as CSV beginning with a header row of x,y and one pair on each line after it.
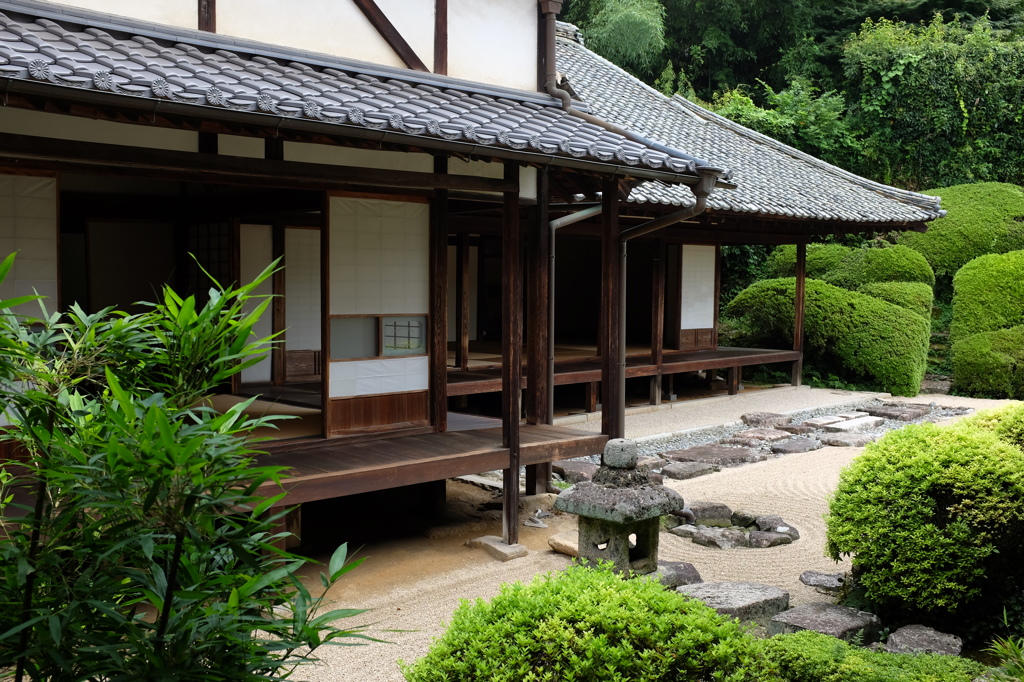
x,y
920,639
842,622
769,435
497,548
827,582
796,429
682,471
650,463
721,538
854,425
566,542
573,471
847,440
903,413
818,422
673,574
715,454
742,442
765,419
761,539
711,513
747,601
852,415
794,445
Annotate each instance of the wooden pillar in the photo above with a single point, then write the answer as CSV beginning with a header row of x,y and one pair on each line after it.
x,y
441,37
277,310
657,319
512,349
537,327
208,15
798,316
462,301
612,417
326,418
439,302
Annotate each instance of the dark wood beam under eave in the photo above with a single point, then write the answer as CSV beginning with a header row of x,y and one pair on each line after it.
x,y
208,15
441,37
390,34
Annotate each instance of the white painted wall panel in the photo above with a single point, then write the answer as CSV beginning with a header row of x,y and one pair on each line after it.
x,y
28,225
374,377
302,289
237,145
183,13
698,290
494,42
255,253
366,158
24,122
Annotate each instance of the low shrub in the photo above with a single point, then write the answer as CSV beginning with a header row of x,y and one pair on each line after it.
x,y
845,332
589,624
990,364
914,296
821,260
981,218
1006,422
988,294
895,263
933,518
849,268
813,657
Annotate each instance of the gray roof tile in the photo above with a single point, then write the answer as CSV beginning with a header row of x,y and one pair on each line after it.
x,y
80,49
771,178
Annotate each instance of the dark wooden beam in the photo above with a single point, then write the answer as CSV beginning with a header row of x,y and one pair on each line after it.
x,y
537,327
512,349
439,302
277,308
441,37
230,169
798,315
612,421
657,319
462,302
326,413
390,34
208,143
208,15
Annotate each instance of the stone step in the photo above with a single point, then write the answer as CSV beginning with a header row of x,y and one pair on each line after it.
x,y
842,622
854,425
749,602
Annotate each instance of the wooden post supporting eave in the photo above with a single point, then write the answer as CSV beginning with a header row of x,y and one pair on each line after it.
x,y
613,421
512,353
798,316
462,301
657,319
439,302
537,327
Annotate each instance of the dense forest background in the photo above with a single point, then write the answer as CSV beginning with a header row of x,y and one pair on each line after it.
x,y
919,94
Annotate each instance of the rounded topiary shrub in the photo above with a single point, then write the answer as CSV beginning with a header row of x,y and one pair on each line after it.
x,y
988,294
810,656
990,364
981,218
589,624
895,264
821,260
867,338
933,518
913,296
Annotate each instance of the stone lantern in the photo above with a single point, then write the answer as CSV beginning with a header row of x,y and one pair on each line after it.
x,y
618,503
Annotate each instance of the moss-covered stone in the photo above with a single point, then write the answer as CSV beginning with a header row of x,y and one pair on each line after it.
x,y
981,218
988,294
914,296
990,364
865,336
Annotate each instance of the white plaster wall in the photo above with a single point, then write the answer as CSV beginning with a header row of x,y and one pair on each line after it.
x,y
24,122
237,145
485,169
255,253
374,377
302,289
379,260
453,332
698,290
366,158
28,225
183,13
334,27
494,42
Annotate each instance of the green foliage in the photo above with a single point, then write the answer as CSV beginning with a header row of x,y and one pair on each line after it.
x,y
821,260
990,364
895,264
981,218
937,104
913,296
589,624
846,333
933,517
809,656
630,33
148,554
740,267
988,294
851,268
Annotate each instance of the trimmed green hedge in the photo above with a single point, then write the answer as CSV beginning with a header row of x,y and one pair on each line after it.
x,y
988,294
990,364
809,656
933,518
589,624
821,259
896,263
981,218
914,296
851,268
867,337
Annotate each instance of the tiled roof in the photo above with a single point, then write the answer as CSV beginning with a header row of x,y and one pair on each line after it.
x,y
78,49
772,179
